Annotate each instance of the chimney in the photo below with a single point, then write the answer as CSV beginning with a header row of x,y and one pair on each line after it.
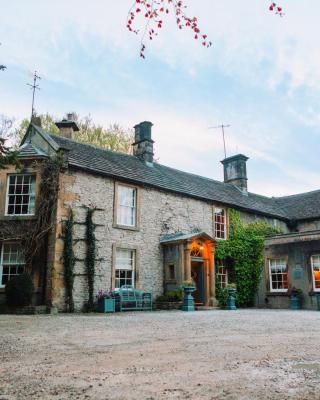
x,y
235,171
143,144
68,126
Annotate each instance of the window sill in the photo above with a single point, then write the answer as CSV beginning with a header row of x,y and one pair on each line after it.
x,y
287,294
314,292
127,228
17,217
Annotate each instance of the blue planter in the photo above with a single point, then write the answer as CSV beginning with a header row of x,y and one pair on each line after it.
x,y
231,300
188,302
106,305
295,303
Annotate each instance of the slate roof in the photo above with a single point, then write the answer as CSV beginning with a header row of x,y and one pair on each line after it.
x,y
129,168
29,150
177,237
301,206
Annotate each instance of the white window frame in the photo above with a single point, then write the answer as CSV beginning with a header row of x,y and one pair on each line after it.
x,y
133,208
216,223
7,196
1,261
219,275
132,269
312,271
270,276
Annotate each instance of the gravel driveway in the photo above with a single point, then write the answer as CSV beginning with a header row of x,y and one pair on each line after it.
x,y
246,354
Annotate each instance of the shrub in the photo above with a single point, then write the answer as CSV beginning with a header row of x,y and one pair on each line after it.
x,y
19,290
171,297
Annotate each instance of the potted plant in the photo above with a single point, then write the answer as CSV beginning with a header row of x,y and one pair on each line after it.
x,y
296,299
106,302
231,299
188,288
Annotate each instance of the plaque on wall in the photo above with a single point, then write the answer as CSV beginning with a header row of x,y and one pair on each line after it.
x,y
297,272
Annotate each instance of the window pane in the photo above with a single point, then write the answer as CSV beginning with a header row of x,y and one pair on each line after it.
x,y
21,195
12,262
315,263
220,223
126,209
278,274
124,267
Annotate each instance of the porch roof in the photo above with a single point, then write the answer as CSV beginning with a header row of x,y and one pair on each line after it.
x,y
181,237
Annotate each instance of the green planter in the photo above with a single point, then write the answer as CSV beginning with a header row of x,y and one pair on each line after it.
x,y
231,300
106,305
188,302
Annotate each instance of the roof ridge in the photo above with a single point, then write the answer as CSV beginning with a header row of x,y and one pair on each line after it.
x,y
297,194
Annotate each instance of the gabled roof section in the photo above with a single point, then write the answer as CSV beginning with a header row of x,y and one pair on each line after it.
x,y
181,237
32,129
28,149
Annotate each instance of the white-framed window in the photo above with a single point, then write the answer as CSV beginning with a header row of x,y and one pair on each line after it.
x,y
21,194
126,206
220,223
12,262
278,274
125,267
315,265
222,274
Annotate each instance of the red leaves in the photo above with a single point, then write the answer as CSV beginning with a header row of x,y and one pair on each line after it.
x,y
276,9
150,11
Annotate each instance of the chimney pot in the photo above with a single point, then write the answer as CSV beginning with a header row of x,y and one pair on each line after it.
x,y
143,143
68,126
235,171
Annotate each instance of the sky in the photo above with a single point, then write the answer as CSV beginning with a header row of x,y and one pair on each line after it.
x,y
261,76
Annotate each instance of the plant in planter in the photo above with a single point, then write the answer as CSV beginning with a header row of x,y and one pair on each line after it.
x,y
188,288
106,302
296,298
19,291
231,299
170,301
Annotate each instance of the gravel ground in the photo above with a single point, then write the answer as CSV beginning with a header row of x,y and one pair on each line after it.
x,y
246,354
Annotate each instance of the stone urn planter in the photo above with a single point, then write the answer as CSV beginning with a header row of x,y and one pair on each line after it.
x,y
231,300
188,301
296,299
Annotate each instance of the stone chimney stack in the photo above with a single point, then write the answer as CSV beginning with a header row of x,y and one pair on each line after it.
x,y
235,171
68,126
143,144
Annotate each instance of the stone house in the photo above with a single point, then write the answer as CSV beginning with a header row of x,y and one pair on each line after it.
x,y
155,226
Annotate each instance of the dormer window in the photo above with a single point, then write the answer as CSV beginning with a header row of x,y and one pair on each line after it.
x,y
220,223
21,194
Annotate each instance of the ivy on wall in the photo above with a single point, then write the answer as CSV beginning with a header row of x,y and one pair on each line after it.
x,y
90,256
243,254
69,261
32,233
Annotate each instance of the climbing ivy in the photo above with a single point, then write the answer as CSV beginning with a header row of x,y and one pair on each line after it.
x,y
90,256
243,254
69,261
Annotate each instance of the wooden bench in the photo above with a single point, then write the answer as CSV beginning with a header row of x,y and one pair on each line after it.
x,y
130,299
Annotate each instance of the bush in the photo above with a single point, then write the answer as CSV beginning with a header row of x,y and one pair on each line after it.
x,y
171,297
19,290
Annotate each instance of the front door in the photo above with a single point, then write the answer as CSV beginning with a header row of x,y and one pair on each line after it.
x,y
197,274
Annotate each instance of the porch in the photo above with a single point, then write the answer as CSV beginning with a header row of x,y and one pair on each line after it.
x,y
190,257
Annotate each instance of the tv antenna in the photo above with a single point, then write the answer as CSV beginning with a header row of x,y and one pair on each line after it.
x,y
222,126
33,87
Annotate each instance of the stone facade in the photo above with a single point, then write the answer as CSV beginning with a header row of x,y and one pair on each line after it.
x,y
160,213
